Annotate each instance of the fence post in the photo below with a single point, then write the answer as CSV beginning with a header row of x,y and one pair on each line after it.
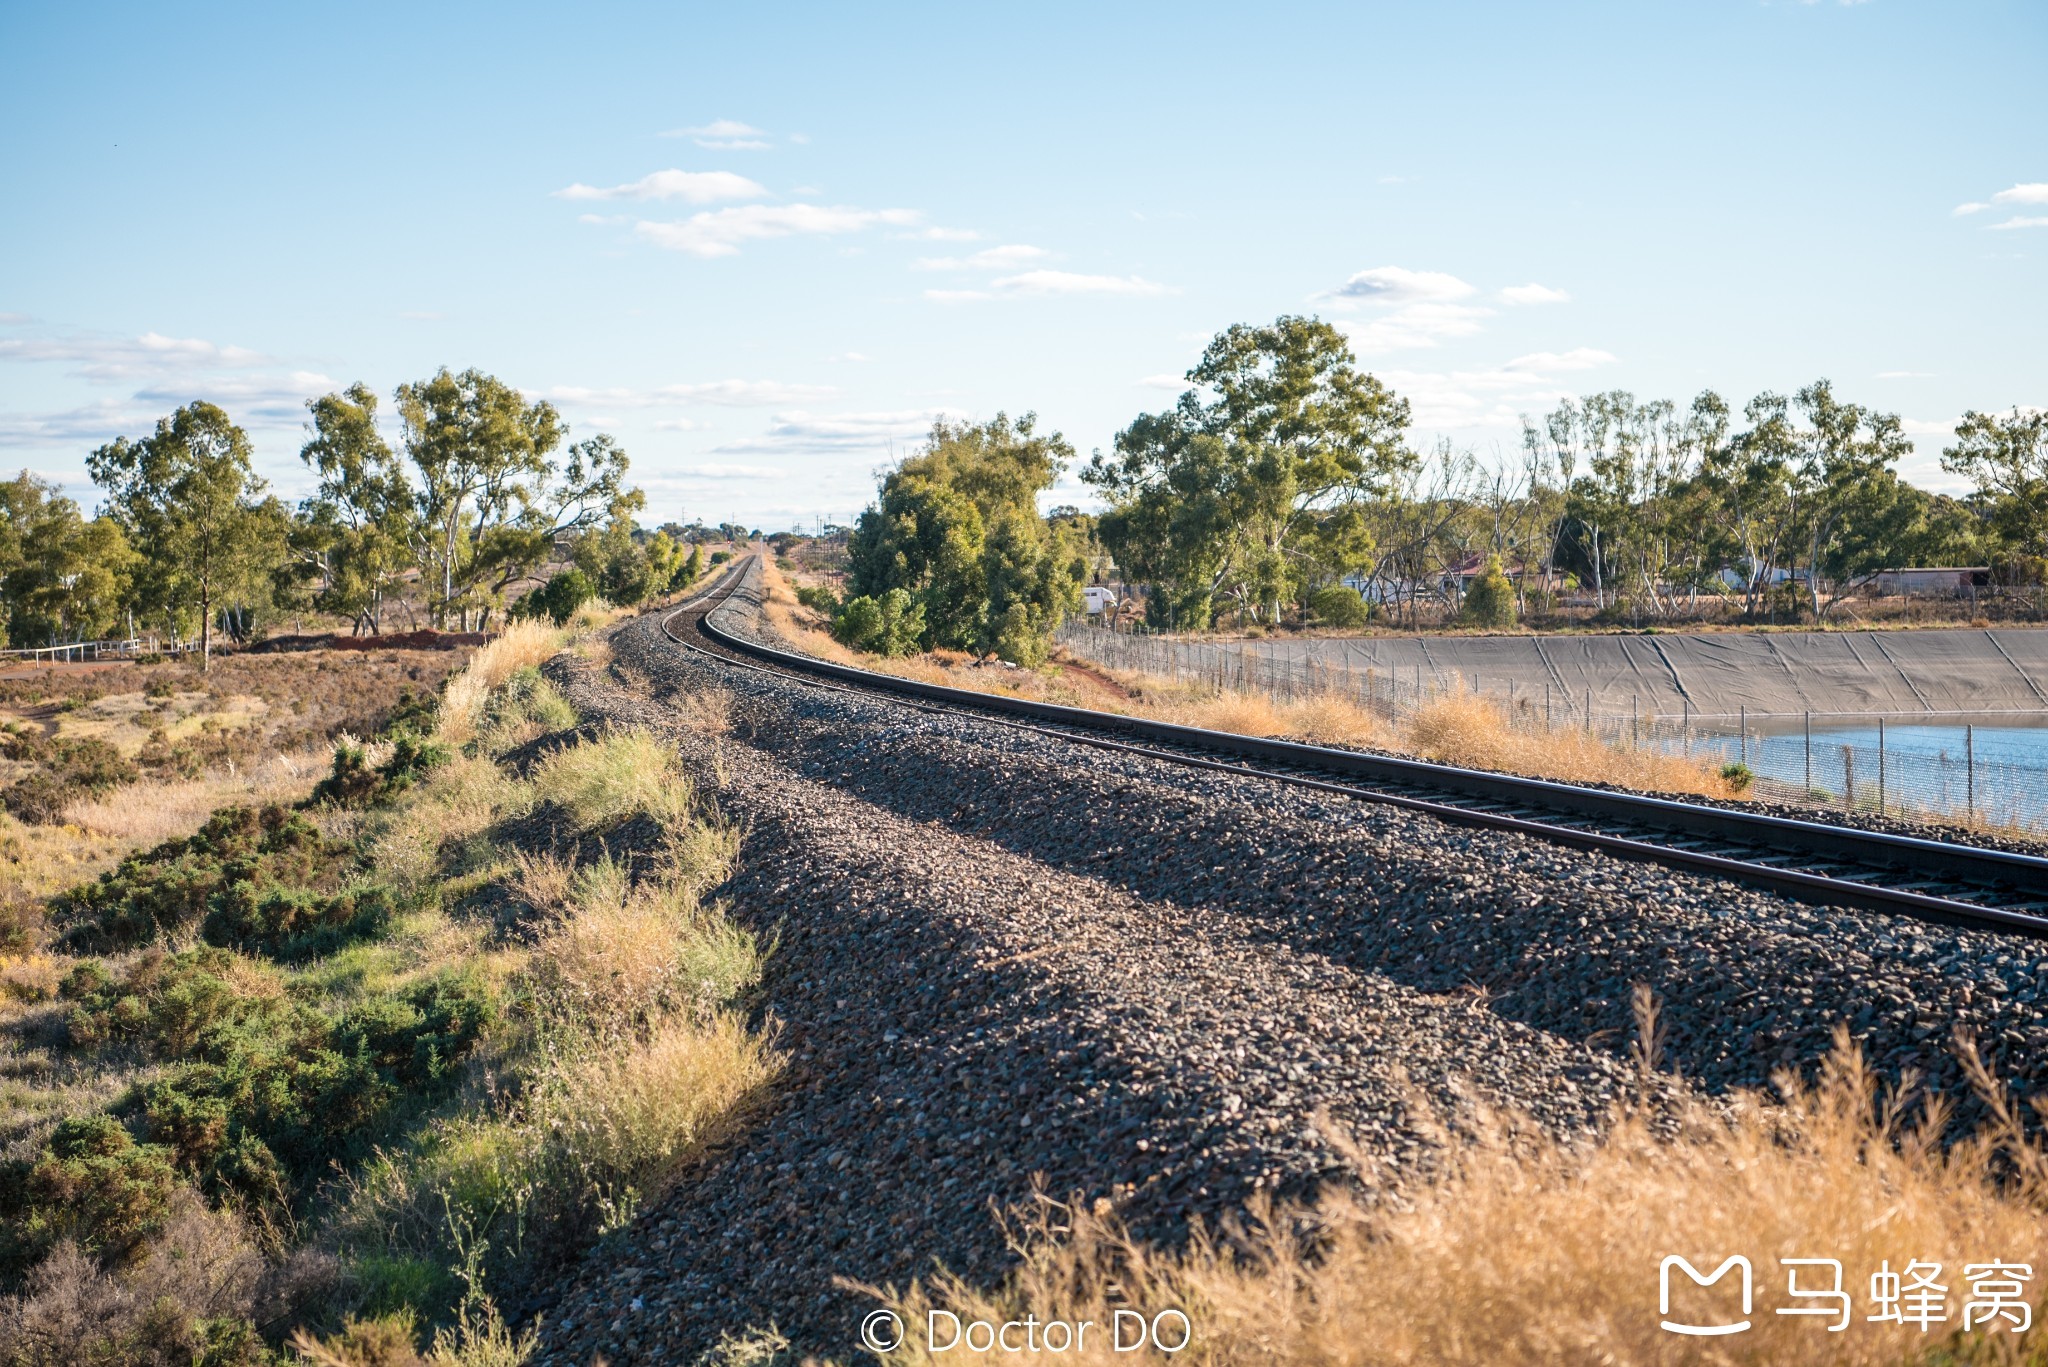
x,y
1848,778
1880,766
1809,756
1970,770
1742,728
1589,711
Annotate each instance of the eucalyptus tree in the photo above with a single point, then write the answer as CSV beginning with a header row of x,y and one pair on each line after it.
x,y
490,498
62,577
1858,515
1257,481
2007,458
956,526
362,512
188,501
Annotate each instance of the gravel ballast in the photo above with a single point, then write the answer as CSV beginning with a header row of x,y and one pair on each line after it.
x,y
1004,960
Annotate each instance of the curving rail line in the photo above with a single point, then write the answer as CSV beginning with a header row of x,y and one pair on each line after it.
x,y
1961,885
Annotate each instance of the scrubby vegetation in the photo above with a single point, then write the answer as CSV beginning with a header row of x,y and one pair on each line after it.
x,y
1508,1245
382,1058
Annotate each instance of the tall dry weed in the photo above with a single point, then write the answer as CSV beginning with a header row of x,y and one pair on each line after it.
x,y
523,645
1466,729
1518,1247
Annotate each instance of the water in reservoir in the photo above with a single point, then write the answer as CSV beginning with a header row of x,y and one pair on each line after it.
x,y
1994,766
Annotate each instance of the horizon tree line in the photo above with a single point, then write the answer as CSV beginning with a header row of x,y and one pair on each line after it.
x,y
483,488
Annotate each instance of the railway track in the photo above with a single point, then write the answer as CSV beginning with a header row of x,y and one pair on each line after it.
x,y
1958,885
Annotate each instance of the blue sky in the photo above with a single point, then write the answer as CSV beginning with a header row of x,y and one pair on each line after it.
x,y
763,245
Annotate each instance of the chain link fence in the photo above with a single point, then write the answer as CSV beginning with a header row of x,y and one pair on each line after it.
x,y
1978,768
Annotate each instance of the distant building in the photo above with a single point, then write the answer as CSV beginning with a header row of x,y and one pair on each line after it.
x,y
1097,600
1935,581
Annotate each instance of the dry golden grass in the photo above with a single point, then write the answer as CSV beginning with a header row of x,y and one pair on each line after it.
x,y
523,645
1468,730
41,861
1521,1249
629,1117
1462,728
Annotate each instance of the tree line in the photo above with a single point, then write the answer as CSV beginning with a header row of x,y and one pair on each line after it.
x,y
482,490
1284,470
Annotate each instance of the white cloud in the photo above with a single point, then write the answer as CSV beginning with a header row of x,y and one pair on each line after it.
x,y
1173,382
14,319
851,357
1552,362
2026,192
727,470
678,425
1490,397
2036,222
1399,285
726,393
695,187
1533,294
1006,258
119,358
1945,428
838,432
956,296
719,232
1068,282
945,235
1417,325
724,135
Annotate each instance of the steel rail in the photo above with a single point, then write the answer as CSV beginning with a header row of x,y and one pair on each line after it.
x,y
1880,853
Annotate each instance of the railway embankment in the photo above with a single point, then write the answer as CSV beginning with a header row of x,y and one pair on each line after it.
x,y
1003,963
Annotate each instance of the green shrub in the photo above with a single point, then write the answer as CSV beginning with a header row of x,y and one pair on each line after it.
x,y
720,557
1018,639
93,1183
262,1092
67,770
1340,607
1737,776
558,599
889,626
353,783
525,697
176,885
1490,601
820,600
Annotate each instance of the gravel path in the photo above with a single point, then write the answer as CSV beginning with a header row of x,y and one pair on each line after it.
x,y
1003,959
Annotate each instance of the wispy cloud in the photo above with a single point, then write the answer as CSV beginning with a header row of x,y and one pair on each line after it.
x,y
694,187
1069,283
1399,285
956,296
726,393
725,135
723,470
2027,192
1173,382
1415,325
1533,294
944,235
1006,258
2035,222
720,232
122,358
1554,362
838,432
